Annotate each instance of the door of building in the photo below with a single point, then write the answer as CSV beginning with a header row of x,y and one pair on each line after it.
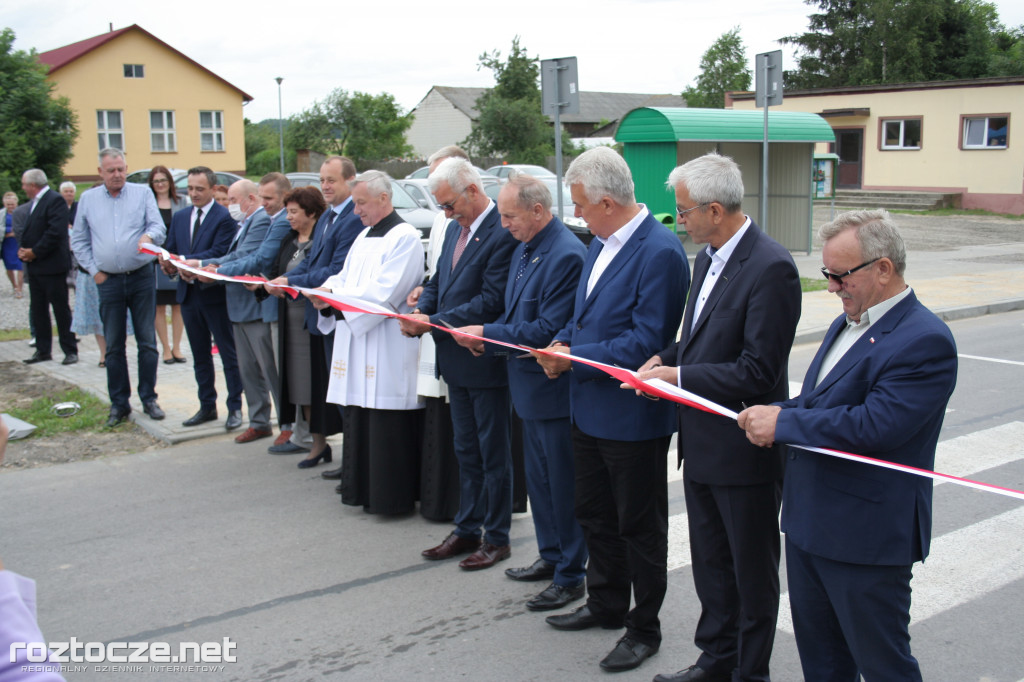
x,y
849,145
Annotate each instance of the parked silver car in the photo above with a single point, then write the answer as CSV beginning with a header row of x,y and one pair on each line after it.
x,y
180,178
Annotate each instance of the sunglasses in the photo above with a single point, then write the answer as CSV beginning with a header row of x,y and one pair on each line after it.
x,y
838,279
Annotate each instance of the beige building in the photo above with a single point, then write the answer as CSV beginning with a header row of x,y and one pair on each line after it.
x,y
135,92
947,136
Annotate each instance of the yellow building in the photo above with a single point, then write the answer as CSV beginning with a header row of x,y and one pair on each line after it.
x,y
135,92
945,136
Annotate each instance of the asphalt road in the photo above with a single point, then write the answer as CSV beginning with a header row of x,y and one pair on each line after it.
x,y
209,540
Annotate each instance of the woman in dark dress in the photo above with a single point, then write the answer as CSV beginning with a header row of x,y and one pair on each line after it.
x,y
167,200
300,354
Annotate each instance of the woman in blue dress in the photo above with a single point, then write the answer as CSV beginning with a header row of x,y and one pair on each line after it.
x,y
14,267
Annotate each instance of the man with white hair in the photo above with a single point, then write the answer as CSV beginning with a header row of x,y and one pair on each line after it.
x,y
469,288
373,373
628,306
250,319
44,250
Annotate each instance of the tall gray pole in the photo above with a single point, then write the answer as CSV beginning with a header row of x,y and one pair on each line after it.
x,y
763,212
280,121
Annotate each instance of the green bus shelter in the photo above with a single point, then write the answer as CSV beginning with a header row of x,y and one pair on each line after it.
x,y
657,139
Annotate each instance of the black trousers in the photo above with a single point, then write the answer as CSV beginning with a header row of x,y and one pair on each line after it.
x,y
622,506
45,292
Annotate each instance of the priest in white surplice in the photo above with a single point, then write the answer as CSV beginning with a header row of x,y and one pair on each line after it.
x,y
373,375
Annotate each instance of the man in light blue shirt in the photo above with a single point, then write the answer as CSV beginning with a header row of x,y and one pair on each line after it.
x,y
112,221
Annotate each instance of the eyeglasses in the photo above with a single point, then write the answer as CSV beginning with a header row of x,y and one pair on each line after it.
x,y
451,206
683,211
838,279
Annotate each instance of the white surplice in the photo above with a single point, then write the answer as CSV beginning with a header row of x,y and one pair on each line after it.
x,y
375,366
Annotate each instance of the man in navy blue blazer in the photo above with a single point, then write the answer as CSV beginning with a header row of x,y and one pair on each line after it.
x,y
202,231
469,288
738,329
878,386
333,235
539,296
627,307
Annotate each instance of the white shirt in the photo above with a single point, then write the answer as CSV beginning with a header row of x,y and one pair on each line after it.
x,y
192,220
719,257
612,245
854,330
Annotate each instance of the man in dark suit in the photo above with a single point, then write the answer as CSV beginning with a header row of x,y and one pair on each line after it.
x,y
737,332
878,386
205,230
250,325
45,250
628,305
538,302
469,288
333,235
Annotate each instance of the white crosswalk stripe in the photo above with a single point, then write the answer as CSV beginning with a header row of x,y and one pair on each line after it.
x,y
977,559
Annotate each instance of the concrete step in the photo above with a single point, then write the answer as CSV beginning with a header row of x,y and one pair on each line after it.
x,y
919,201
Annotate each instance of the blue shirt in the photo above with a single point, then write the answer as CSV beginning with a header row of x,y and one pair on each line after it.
x,y
108,228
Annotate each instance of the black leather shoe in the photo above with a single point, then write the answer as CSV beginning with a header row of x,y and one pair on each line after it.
x,y
38,357
538,570
556,596
580,619
201,417
693,674
337,488
153,410
69,359
331,474
627,655
234,420
116,417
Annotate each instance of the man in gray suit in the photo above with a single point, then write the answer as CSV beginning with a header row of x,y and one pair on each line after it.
x,y
251,321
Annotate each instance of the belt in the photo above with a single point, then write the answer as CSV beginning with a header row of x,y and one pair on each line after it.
x,y
126,274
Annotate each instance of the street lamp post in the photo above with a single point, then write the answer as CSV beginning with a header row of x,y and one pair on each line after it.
x,y
280,121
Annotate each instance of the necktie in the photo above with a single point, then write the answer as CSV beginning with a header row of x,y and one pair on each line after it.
x,y
195,228
523,262
460,246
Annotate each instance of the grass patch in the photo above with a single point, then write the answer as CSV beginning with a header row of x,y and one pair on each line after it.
x,y
92,416
813,284
14,334
958,211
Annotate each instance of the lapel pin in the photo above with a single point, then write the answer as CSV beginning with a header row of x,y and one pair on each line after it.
x,y
535,259
872,339
476,239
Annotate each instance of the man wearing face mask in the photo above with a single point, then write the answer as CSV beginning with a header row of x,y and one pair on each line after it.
x,y
250,321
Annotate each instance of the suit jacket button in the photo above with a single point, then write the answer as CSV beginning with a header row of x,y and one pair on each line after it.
x,y
579,326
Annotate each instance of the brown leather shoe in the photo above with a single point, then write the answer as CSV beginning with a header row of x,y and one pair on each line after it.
x,y
283,437
485,557
251,434
453,545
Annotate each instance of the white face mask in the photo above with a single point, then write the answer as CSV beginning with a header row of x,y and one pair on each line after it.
x,y
236,212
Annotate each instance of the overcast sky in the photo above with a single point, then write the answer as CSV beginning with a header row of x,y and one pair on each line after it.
x,y
404,48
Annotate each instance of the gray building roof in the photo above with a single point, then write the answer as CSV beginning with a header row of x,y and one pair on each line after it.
x,y
594,106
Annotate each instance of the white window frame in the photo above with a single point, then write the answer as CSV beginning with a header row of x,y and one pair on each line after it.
x,y
984,122
211,136
105,131
902,146
164,132
135,71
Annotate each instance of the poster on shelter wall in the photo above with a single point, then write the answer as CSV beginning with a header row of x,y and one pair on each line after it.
x,y
824,184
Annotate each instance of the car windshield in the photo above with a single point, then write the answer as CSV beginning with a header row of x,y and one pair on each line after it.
x,y
400,198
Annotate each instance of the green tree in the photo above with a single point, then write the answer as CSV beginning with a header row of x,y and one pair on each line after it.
x,y
866,42
361,126
722,68
1008,58
263,148
37,130
510,122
